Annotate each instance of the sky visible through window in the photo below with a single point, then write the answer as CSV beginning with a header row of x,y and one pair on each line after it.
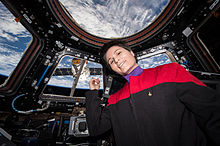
x,y
14,38
114,18
13,41
67,80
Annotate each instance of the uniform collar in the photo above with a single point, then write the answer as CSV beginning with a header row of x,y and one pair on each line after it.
x,y
136,72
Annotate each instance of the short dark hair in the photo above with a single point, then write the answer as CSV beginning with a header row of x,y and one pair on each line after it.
x,y
118,81
112,43
108,45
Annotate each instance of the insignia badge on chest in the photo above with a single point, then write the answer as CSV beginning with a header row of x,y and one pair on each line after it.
x,y
149,93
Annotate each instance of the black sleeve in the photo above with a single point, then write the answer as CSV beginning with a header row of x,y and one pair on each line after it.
x,y
203,102
98,118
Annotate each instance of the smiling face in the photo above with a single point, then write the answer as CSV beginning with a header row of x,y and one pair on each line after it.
x,y
120,60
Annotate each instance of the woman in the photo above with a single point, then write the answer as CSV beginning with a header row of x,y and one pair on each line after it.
x,y
162,106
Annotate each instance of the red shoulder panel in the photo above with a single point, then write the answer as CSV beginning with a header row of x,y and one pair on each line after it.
x,y
172,72
121,94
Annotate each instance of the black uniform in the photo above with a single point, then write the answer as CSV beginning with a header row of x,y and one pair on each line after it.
x,y
164,106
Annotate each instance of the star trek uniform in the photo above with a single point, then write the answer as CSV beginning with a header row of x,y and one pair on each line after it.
x,y
163,106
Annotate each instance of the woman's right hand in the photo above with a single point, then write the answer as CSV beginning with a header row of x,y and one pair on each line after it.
x,y
94,84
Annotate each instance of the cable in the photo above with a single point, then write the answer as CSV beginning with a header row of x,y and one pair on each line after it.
x,y
29,111
13,101
41,78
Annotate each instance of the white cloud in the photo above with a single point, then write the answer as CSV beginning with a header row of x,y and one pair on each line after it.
x,y
113,18
60,81
8,36
9,29
67,81
110,18
154,61
8,60
4,47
